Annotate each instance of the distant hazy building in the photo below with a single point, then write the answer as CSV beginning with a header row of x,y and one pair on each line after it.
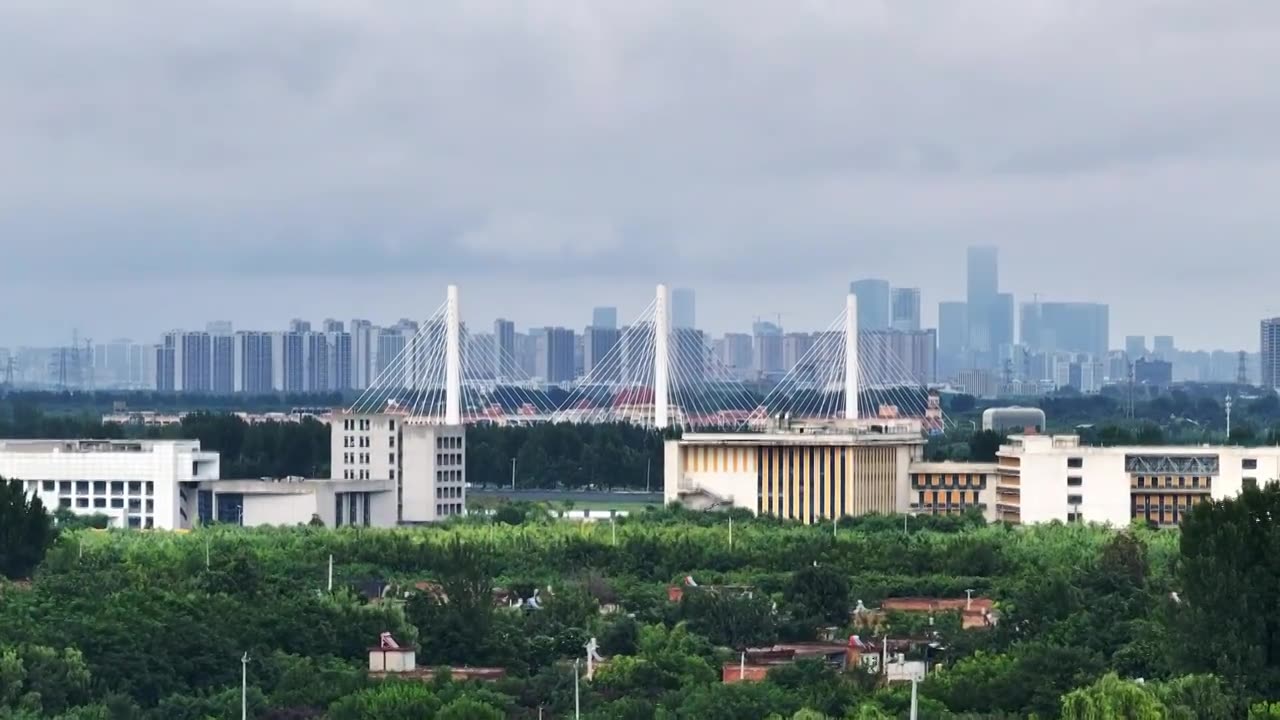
x,y
1075,327
905,314
555,355
193,355
597,343
364,345
316,349
507,360
1271,353
736,354
766,347
1149,371
688,353
291,375
218,327
251,358
978,382
899,357
683,310
222,364
298,325
1163,348
873,303
166,363
604,318
983,287
1135,346
795,347
340,360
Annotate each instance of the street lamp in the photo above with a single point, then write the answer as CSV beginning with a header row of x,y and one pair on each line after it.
x,y
244,687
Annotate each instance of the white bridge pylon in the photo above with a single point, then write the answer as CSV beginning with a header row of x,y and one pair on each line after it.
x,y
646,373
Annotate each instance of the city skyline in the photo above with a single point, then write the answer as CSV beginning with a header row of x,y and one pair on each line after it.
x,y
355,160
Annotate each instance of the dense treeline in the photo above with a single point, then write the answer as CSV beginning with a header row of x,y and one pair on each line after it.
x,y
153,625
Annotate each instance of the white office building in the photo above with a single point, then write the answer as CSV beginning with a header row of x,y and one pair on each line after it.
x,y
136,483
423,464
1041,478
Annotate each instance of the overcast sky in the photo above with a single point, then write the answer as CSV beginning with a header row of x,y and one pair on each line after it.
x,y
163,163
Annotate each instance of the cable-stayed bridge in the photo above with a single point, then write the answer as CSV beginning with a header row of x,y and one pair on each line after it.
x,y
652,375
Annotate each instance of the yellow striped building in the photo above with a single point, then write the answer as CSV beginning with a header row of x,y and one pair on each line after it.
x,y
807,473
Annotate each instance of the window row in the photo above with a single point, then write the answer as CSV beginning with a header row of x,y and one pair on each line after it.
x,y
349,474
361,424
444,476
448,509
83,503
448,493
351,441
1194,482
452,442
448,458
96,487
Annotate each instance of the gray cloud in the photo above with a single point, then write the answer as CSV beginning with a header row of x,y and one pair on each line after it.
x,y
339,158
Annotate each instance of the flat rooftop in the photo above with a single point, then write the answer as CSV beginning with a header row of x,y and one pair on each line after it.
x,y
294,486
871,431
94,446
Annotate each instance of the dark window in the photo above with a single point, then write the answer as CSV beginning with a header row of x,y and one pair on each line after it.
x,y
99,502
151,488
99,487
1076,481
64,502
1249,464
64,487
82,502
1075,500
117,502
117,488
1141,481
48,485
135,488
150,523
1075,462
135,521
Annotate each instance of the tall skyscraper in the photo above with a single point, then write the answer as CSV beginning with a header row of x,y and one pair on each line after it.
x,y
905,313
735,354
192,354
166,363
766,347
363,353
873,303
299,326
1135,346
292,361
218,327
340,360
1163,348
1071,327
316,348
555,362
682,309
252,360
604,318
1271,353
983,287
222,364
688,353
506,359
795,348
597,343
953,327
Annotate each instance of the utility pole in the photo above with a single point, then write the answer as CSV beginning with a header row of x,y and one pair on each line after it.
x,y
513,474
331,572
244,687
647,463
1228,418
915,711
577,697
731,533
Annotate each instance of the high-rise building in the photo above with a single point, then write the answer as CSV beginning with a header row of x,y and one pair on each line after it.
x,y
688,353
766,347
299,326
1135,346
316,349
166,352
340,360
735,355
252,362
363,353
597,343
1002,323
330,325
953,327
289,370
983,287
388,363
604,318
1162,347
1270,353
192,355
896,357
218,327
555,355
873,303
222,365
795,348
905,314
682,309
1073,327
506,359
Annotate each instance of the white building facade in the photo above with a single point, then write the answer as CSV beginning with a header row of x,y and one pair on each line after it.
x,y
137,483
1042,478
424,464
